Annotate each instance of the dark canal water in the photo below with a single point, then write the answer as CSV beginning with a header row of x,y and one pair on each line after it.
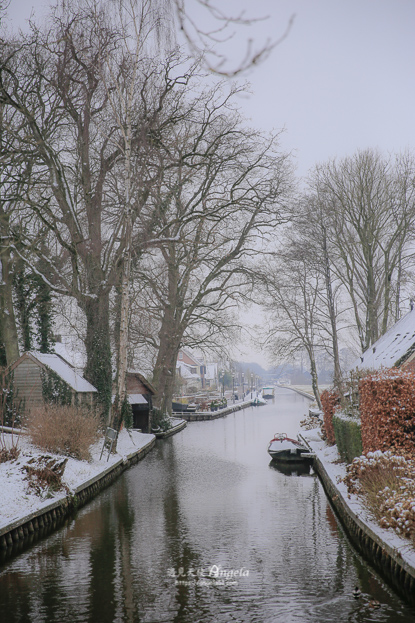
x,y
203,530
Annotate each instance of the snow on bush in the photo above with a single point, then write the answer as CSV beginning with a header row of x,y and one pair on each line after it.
x,y
386,483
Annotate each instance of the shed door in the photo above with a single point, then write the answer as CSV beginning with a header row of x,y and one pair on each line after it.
x,y
141,417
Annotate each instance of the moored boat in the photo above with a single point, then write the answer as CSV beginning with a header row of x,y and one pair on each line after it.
x,y
258,401
282,448
183,407
268,392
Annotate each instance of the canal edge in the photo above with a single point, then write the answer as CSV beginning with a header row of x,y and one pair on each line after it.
x,y
199,416
171,431
28,529
389,561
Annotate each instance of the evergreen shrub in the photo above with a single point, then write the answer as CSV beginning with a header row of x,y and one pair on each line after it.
x,y
127,414
160,419
348,436
11,407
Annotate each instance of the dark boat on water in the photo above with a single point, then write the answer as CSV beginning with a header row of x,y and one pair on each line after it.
x,y
285,450
179,407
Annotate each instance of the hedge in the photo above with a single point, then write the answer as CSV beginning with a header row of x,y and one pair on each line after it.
x,y
387,411
348,436
329,401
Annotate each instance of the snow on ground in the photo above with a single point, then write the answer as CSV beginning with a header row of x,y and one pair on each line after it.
x,y
16,498
336,471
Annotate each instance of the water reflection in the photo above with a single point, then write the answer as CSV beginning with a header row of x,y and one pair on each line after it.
x,y
302,468
205,499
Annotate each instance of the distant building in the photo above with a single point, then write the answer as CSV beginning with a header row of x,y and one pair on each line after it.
x,y
37,376
195,372
211,375
395,349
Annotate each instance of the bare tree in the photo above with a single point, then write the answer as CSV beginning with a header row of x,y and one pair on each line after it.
x,y
311,236
89,100
86,124
13,177
124,86
293,308
222,189
207,33
369,204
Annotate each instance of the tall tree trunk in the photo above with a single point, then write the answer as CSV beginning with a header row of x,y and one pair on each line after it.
x,y
314,379
44,313
337,376
98,369
9,343
372,332
398,290
387,300
122,354
164,372
44,309
164,379
24,305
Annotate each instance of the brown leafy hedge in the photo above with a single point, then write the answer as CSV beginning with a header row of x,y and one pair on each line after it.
x,y
387,411
329,401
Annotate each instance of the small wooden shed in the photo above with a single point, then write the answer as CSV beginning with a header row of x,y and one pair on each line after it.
x,y
38,374
140,396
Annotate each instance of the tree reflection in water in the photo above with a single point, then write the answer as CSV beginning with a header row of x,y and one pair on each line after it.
x,y
208,496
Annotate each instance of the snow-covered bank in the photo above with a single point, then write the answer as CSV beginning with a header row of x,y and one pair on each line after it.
x,y
18,500
397,547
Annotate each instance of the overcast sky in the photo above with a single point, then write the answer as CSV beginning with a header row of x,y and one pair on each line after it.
x,y
343,79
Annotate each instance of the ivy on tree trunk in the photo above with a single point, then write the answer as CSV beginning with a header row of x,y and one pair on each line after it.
x,y
98,369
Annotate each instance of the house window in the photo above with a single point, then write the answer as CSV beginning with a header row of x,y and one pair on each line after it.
x,y
180,355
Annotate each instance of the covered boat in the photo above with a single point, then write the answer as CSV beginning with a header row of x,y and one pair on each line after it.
x,y
282,448
268,392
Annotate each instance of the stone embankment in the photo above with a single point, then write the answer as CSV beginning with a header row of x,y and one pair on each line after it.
x,y
392,556
197,416
177,426
22,532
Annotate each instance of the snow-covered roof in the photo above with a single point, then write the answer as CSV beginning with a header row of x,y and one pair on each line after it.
x,y
71,353
64,370
134,399
389,349
185,371
137,399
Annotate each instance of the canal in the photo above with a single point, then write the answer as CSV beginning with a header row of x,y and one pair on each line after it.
x,y
204,530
